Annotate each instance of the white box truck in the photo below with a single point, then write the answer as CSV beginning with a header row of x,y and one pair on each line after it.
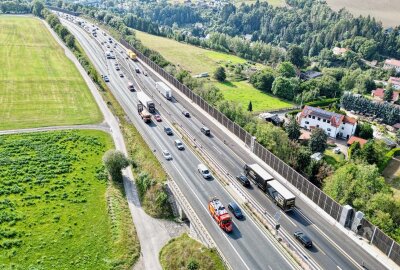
x,y
146,101
164,90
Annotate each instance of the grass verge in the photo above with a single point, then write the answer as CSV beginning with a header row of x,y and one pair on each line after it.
x,y
39,85
335,160
185,253
243,92
58,210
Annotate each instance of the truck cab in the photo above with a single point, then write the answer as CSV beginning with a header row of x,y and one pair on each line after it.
x,y
220,214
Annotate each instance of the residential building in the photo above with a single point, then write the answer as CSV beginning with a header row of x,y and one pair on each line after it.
x,y
272,118
335,125
379,93
354,139
395,81
339,51
392,63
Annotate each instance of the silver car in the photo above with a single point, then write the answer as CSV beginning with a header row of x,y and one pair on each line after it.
x,y
166,155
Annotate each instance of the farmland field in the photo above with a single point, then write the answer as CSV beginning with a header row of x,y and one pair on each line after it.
x,y
179,252
58,210
243,92
387,11
39,85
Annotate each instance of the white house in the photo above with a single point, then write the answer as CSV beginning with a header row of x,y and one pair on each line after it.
x,y
392,63
335,125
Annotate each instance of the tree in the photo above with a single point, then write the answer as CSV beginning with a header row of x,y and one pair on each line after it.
x,y
295,55
398,136
365,131
286,69
388,95
220,74
250,107
263,79
328,86
285,87
115,161
37,8
70,41
318,140
355,151
193,264
292,129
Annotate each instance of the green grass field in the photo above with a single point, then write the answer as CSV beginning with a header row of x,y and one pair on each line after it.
x,y
179,252
58,210
243,92
333,159
39,85
191,58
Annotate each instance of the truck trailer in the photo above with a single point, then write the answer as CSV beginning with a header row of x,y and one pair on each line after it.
x,y
131,55
220,214
258,175
281,195
164,90
146,101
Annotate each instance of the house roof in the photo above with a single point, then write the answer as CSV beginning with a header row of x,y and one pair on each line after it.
x,y
380,92
392,62
353,139
394,80
335,118
338,50
349,120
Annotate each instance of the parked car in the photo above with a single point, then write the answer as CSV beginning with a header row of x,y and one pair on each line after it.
x,y
234,208
336,150
243,180
168,130
166,155
157,117
203,170
304,239
179,145
205,130
186,114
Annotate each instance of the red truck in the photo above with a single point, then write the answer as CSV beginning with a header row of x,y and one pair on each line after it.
x,y
221,216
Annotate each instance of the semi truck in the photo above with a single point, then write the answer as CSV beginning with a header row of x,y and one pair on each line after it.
x,y
164,90
146,101
131,55
144,113
258,175
280,195
220,214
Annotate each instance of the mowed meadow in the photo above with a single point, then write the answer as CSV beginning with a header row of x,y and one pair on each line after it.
x,y
57,208
39,85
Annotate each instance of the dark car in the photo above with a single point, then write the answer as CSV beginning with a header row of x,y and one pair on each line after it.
x,y
168,130
205,130
137,70
186,114
304,239
243,180
234,208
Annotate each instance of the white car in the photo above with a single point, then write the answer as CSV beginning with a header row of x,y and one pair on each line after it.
x,y
203,170
336,150
166,155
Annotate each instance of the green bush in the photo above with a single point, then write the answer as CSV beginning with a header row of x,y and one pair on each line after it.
x,y
388,157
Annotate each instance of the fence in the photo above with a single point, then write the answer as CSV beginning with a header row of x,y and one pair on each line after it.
x,y
377,238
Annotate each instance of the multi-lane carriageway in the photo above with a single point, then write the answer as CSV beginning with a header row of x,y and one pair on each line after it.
x,y
248,247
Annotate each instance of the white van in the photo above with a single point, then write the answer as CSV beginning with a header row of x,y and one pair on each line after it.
x,y
204,171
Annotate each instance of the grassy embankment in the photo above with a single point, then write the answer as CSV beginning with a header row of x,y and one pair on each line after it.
x,y
198,60
39,85
58,210
181,252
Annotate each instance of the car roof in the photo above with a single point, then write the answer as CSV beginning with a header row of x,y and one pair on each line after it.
x,y
234,205
178,141
202,166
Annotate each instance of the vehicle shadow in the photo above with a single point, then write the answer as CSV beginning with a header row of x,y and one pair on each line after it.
x,y
297,217
235,234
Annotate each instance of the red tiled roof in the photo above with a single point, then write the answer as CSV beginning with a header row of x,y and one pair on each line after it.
x,y
350,120
356,139
380,92
394,80
396,126
392,62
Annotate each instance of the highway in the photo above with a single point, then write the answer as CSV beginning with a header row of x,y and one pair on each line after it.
x,y
247,247
332,248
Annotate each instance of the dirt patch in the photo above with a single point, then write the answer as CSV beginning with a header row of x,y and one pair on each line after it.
x,y
392,176
387,11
